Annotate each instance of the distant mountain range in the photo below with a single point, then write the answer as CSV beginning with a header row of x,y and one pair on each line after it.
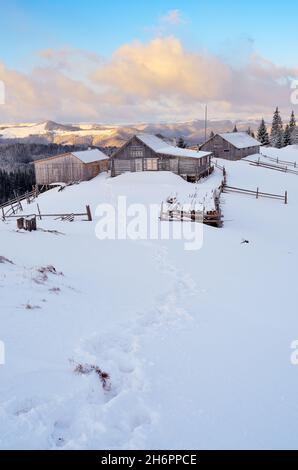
x,y
114,135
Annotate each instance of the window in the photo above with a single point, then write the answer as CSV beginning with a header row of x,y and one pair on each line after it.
x,y
136,151
226,150
152,164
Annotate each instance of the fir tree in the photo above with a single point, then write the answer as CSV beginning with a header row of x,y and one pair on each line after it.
x,y
263,136
287,136
181,143
235,129
294,136
292,123
279,141
292,126
276,134
211,135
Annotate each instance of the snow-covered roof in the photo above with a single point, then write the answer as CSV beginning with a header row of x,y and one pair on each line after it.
x,y
240,140
89,156
159,146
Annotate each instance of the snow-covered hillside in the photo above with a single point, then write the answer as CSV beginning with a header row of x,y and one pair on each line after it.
x,y
197,344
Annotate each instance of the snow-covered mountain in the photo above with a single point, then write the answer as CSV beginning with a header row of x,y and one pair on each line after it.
x,y
197,344
105,135
27,130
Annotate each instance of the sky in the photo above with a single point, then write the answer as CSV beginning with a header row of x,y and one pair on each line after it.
x,y
146,61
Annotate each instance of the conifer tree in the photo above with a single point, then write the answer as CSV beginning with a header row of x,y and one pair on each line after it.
x,y
181,143
279,142
294,136
292,123
287,136
263,136
276,135
292,126
235,129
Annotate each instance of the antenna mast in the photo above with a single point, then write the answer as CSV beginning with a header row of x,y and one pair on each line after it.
x,y
206,117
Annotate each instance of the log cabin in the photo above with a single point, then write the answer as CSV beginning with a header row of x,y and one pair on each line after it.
x,y
232,145
71,166
146,152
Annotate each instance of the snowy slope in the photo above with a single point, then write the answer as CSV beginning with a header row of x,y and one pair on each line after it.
x,y
197,343
289,153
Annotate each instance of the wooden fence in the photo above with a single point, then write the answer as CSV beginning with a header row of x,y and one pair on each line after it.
x,y
257,193
68,216
278,160
13,206
176,212
272,166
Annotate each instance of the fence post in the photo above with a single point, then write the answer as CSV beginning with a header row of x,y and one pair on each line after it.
x,y
286,197
39,213
89,215
257,193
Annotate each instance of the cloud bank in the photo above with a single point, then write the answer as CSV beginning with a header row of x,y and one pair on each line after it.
x,y
154,81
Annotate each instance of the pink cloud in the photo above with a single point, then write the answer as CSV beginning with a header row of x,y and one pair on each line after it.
x,y
158,80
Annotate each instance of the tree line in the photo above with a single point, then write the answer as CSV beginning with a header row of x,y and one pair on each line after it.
x,y
14,183
280,135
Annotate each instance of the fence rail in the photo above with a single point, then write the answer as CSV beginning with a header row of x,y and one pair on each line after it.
x,y
257,193
13,206
62,216
278,160
272,166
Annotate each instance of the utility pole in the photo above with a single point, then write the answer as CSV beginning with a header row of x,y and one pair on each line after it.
x,y
206,117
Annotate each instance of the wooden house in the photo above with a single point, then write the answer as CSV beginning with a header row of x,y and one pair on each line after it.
x,y
72,166
146,152
232,145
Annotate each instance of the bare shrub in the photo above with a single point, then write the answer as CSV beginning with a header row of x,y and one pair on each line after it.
x,y
86,369
49,269
43,272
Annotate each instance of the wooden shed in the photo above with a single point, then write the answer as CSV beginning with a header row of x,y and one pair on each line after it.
x,y
146,152
69,167
232,145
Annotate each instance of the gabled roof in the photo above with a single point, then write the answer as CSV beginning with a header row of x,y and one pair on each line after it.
x,y
90,156
240,140
159,146
85,156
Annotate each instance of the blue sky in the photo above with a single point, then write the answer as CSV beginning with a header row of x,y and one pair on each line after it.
x,y
102,26
207,31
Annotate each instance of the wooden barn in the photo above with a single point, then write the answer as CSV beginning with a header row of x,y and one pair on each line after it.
x,y
69,167
146,152
232,145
